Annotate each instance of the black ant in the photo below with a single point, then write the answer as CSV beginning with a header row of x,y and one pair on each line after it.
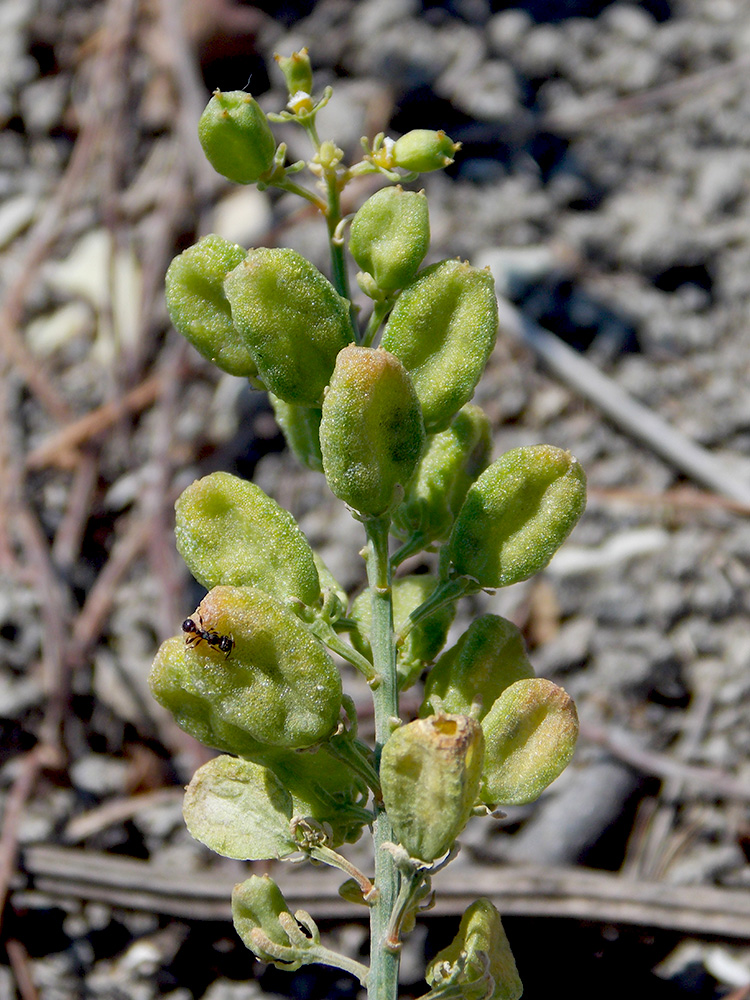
x,y
195,634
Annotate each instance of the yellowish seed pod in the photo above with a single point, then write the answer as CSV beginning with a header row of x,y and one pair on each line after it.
x,y
430,771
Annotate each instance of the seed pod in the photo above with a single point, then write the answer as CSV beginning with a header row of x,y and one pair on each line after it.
x,y
422,150
264,922
479,951
530,735
429,772
452,461
277,687
297,71
390,235
199,308
301,427
371,431
424,641
443,328
240,810
292,320
230,532
516,515
236,137
488,657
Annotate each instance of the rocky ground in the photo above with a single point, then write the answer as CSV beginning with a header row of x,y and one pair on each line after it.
x,y
605,175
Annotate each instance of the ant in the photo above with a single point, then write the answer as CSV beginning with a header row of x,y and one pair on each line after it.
x,y
195,634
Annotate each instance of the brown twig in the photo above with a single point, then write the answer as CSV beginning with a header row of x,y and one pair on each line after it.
x,y
19,963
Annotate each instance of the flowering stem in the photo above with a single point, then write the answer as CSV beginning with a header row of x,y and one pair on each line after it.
x,y
382,982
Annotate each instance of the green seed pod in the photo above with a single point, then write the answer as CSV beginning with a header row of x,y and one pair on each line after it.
x,y
264,921
236,137
530,734
301,427
292,319
324,789
199,308
270,685
479,951
422,150
230,532
516,515
240,810
390,235
487,658
429,772
452,461
297,71
443,328
424,641
371,431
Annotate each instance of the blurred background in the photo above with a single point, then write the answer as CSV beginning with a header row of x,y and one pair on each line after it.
x,y
605,176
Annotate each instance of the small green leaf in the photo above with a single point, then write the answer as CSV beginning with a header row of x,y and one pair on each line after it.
x,y
530,735
240,810
230,532
516,515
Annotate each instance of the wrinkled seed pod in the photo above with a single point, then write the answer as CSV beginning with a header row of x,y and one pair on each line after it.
x,y
277,687
292,320
443,328
451,462
257,904
390,235
516,515
530,735
480,947
371,431
488,657
429,772
229,531
199,308
236,137
422,150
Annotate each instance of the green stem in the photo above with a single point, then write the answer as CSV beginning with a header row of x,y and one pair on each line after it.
x,y
379,311
382,982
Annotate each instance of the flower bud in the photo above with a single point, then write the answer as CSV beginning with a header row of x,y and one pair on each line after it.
x,y
516,515
297,71
423,642
429,772
230,532
301,427
272,685
236,137
488,657
443,328
199,308
530,735
452,461
422,150
371,431
479,951
292,320
390,235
